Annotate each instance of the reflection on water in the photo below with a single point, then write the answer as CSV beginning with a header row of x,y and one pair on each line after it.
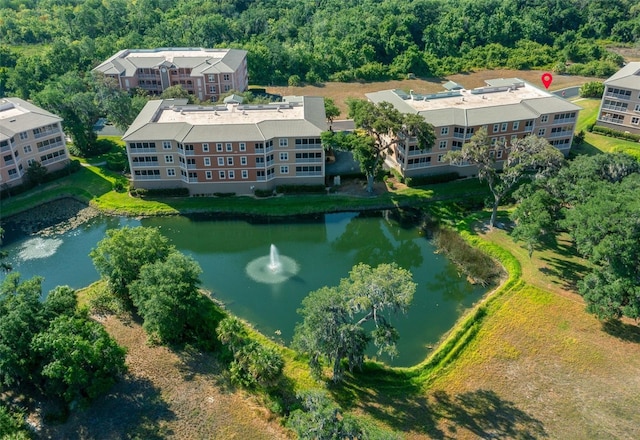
x,y
323,248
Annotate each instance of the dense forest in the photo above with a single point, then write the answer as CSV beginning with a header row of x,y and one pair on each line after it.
x,y
319,40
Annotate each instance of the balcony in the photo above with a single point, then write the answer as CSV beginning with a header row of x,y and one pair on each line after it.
x,y
46,133
9,162
5,148
308,173
617,96
144,164
309,160
146,177
50,146
615,108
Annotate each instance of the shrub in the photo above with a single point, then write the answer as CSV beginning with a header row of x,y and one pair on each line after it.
x,y
430,180
474,263
616,134
300,189
593,89
160,192
221,194
263,193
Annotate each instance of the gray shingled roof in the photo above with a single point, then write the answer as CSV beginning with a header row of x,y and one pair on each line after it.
x,y
33,117
145,128
125,62
551,104
627,77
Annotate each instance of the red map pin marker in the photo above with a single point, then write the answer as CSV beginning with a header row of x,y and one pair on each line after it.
x,y
547,79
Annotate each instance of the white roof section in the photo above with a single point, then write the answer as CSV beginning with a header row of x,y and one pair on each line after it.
x,y
627,77
174,119
501,100
201,60
18,115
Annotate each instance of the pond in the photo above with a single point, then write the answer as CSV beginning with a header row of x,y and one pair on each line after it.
x,y
315,252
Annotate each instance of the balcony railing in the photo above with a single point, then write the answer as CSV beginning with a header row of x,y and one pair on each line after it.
x,y
9,162
618,96
309,160
5,148
615,108
146,177
50,146
308,173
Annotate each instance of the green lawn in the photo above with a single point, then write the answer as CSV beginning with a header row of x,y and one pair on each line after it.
x,y
597,143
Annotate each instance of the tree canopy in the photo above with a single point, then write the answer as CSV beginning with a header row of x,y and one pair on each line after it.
x,y
528,157
594,199
333,317
378,128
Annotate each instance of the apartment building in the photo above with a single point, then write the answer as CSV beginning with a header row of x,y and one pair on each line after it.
x,y
620,106
28,134
507,108
230,148
204,73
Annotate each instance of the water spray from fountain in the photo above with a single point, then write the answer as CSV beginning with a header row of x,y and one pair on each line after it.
x,y
273,268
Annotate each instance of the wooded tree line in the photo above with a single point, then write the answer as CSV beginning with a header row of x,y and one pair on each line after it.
x,y
318,40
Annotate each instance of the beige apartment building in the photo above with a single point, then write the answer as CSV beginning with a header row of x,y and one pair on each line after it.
x,y
507,108
204,73
27,134
620,106
231,148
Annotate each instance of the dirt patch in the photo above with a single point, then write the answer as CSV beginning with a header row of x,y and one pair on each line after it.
x,y
340,92
168,394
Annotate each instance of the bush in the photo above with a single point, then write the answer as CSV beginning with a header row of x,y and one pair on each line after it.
x,y
616,134
262,193
474,263
593,89
161,192
300,189
430,180
220,194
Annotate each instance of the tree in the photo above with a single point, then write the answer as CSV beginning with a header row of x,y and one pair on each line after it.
x,y
20,320
120,107
36,173
71,98
529,157
122,253
4,266
168,298
331,110
254,364
322,419
378,128
592,89
80,361
333,317
176,92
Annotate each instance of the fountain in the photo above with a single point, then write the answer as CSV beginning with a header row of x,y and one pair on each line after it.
x,y
273,268
275,265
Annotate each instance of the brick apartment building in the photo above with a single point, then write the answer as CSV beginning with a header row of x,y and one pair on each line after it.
x,y
230,148
620,106
27,134
506,108
204,73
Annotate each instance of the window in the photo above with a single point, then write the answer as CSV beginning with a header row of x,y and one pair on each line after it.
x,y
516,125
12,172
166,145
544,118
205,148
284,157
284,142
208,175
444,131
635,121
221,174
227,88
503,140
171,172
221,161
24,135
504,126
514,137
499,155
211,78
229,146
245,174
443,145
542,131
207,161
496,128
212,90
230,160
168,158
232,174
243,160
226,77
440,157
637,109
243,146
284,170
218,147
27,149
